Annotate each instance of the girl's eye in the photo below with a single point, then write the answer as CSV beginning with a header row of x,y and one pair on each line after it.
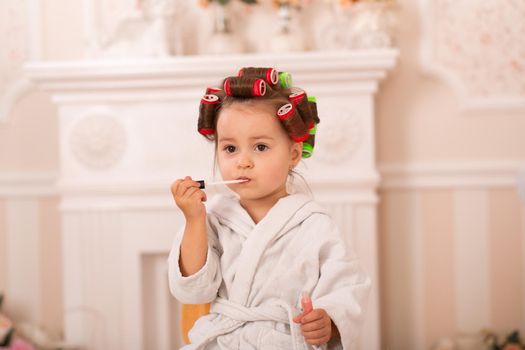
x,y
229,149
261,147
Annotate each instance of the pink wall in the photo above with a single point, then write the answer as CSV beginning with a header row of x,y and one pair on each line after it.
x,y
507,268
29,141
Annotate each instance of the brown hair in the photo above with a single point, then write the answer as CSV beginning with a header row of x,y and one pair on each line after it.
x,y
296,111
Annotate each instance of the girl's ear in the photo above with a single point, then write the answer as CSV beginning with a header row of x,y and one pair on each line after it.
x,y
296,153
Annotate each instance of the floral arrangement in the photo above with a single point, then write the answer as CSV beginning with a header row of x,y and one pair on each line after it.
x,y
289,3
353,2
511,342
206,3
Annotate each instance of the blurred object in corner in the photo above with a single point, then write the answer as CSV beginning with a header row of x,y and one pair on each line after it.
x,y
6,327
483,340
8,341
26,335
43,339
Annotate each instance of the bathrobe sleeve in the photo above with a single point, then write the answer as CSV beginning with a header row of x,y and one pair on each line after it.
x,y
202,286
343,286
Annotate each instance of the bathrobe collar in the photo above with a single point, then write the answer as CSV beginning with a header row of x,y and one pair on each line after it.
x,y
287,213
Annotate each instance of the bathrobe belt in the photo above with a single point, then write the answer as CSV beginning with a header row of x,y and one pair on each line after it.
x,y
278,312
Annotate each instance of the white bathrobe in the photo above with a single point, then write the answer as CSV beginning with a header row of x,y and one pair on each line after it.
x,y
254,275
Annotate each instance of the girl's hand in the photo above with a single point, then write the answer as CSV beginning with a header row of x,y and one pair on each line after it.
x,y
316,326
189,198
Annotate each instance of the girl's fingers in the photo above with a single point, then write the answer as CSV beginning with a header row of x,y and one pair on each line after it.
x,y
317,336
190,192
314,315
174,186
200,194
314,326
194,194
181,188
317,333
185,185
310,316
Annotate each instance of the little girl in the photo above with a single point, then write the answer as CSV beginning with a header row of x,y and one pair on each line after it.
x,y
259,254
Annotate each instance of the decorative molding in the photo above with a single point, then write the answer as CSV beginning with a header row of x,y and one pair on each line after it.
x,y
452,175
477,48
341,137
28,48
98,140
13,93
28,184
177,78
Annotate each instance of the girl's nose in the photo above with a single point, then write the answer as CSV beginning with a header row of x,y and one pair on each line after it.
x,y
245,161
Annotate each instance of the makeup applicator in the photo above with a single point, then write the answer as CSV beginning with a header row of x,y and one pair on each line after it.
x,y
203,183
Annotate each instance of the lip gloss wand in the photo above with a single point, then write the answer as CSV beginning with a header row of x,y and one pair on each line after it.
x,y
203,183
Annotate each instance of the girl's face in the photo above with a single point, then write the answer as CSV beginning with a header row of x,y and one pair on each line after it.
x,y
252,145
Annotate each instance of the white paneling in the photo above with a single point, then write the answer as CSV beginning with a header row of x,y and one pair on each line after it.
x,y
91,243
365,242
472,260
146,233
158,327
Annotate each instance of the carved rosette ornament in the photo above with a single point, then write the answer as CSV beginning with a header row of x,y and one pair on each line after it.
x,y
338,138
98,141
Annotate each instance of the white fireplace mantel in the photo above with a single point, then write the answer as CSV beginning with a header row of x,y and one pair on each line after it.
x,y
128,128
